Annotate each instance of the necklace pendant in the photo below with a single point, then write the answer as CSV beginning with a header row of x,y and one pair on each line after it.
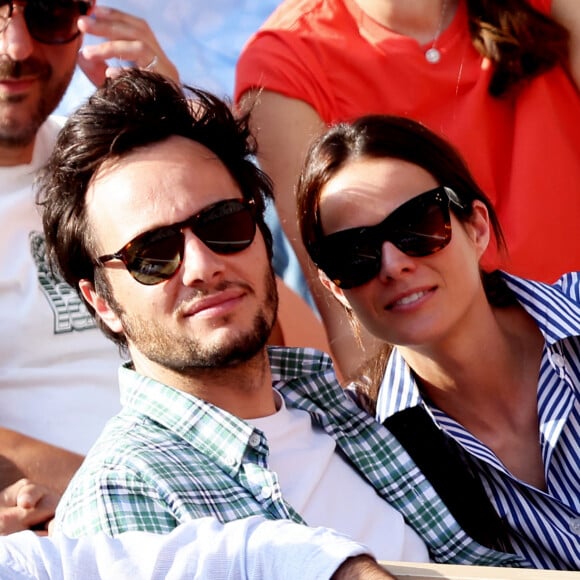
x,y
432,55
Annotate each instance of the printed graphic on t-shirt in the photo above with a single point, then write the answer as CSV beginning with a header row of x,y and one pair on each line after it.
x,y
70,312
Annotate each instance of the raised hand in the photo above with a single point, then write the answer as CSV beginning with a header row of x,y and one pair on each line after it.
x,y
128,38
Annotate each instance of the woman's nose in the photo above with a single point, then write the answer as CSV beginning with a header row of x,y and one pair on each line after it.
x,y
394,262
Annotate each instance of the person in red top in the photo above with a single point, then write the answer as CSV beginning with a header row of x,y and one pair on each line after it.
x,y
502,87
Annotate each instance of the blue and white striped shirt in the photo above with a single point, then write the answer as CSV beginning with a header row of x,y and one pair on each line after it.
x,y
544,526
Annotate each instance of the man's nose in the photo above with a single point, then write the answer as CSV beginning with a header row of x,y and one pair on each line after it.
x,y
200,264
15,40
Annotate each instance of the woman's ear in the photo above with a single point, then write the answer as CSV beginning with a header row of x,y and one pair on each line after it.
x,y
336,291
100,305
479,227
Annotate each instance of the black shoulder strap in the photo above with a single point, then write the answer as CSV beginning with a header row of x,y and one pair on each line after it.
x,y
446,466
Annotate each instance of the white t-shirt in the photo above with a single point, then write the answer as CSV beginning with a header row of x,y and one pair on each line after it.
x,y
326,491
58,372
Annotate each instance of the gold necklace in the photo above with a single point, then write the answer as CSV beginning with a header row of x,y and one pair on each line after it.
x,y
433,54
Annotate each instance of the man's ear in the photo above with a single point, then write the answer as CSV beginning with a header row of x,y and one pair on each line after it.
x,y
101,306
333,289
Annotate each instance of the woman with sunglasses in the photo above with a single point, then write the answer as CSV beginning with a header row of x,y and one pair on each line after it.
x,y
397,227
498,78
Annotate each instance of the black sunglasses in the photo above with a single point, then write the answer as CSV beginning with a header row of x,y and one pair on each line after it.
x,y
225,227
419,227
48,21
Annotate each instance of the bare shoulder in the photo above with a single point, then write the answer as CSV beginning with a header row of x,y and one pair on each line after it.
x,y
567,13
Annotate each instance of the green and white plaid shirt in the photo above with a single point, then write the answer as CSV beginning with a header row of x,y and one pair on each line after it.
x,y
169,457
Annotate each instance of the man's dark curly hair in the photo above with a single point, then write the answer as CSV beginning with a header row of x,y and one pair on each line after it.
x,y
136,109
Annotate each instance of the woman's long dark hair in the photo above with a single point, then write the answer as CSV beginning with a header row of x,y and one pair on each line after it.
x,y
520,41
391,137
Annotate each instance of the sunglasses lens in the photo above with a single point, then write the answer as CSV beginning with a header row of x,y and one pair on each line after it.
x,y
226,227
418,228
349,259
422,226
54,22
155,256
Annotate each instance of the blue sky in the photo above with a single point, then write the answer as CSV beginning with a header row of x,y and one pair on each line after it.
x,y
202,37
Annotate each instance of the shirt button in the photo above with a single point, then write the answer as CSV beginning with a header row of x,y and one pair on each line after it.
x,y
575,526
230,460
559,360
266,492
254,440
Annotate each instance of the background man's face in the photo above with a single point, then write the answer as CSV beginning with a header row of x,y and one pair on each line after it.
x,y
33,78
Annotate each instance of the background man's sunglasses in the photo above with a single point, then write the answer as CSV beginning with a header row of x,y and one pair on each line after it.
x,y
419,227
225,227
48,21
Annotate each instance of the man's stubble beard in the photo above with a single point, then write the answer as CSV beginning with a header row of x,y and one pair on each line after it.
x,y
14,132
187,355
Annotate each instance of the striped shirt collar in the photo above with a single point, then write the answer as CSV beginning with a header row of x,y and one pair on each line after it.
x,y
555,308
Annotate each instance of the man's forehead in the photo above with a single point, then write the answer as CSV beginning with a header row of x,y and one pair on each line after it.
x,y
174,147
157,184
171,158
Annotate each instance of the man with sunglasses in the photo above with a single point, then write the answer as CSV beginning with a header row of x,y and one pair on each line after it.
x,y
153,209
57,369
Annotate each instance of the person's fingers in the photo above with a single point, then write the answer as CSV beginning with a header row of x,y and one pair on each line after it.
x,y
30,494
129,39
9,494
116,25
25,505
93,59
133,52
16,519
94,70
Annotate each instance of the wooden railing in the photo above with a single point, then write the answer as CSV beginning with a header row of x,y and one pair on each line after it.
x,y
406,571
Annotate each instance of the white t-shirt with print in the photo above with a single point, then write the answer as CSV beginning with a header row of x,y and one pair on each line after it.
x,y
58,372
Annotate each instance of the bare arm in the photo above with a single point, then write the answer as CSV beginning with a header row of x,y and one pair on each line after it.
x,y
284,128
33,476
23,456
360,568
567,13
